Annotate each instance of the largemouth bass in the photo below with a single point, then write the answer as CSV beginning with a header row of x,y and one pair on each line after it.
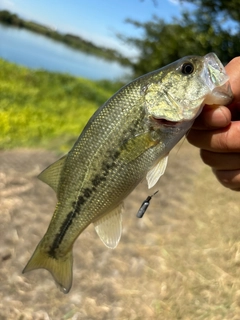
x,y
127,139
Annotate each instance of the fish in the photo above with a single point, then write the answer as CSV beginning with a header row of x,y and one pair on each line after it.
x,y
127,139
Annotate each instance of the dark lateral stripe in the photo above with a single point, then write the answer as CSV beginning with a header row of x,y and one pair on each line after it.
x,y
65,225
73,214
86,193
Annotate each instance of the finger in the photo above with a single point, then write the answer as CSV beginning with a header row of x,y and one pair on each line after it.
x,y
221,161
235,111
213,117
233,70
222,141
229,179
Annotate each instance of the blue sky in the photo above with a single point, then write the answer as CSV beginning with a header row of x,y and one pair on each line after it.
x,y
95,20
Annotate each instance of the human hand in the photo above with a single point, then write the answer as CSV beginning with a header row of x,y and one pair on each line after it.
x,y
217,133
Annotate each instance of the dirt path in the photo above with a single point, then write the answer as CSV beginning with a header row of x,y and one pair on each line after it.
x,y
181,261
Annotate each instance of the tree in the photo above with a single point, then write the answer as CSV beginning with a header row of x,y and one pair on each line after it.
x,y
198,32
11,19
229,8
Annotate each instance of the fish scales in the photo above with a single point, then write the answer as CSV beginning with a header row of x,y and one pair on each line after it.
x,y
95,179
127,139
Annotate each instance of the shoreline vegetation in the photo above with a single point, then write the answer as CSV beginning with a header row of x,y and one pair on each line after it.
x,y
42,109
75,42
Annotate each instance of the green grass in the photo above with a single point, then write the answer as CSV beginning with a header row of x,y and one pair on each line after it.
x,y
43,109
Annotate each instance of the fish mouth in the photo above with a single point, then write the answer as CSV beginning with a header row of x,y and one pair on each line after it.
x,y
223,93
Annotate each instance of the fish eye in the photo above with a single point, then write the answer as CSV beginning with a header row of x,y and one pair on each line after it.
x,y
187,68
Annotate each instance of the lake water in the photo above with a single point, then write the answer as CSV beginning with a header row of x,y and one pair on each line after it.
x,y
38,52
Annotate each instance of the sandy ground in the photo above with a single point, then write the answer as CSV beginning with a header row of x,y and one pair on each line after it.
x,y
180,261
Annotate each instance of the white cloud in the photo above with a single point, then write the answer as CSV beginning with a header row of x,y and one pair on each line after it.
x,y
6,4
176,2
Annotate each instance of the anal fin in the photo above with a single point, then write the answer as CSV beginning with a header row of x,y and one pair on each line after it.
x,y
109,227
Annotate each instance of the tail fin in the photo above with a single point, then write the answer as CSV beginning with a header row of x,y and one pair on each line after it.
x,y
60,268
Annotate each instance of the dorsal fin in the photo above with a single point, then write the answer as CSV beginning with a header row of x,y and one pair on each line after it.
x,y
109,227
51,175
156,172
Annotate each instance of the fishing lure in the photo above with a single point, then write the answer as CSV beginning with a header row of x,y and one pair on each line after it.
x,y
145,205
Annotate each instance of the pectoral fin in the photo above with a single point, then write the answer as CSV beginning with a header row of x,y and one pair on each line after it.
x,y
136,146
156,172
51,175
109,227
